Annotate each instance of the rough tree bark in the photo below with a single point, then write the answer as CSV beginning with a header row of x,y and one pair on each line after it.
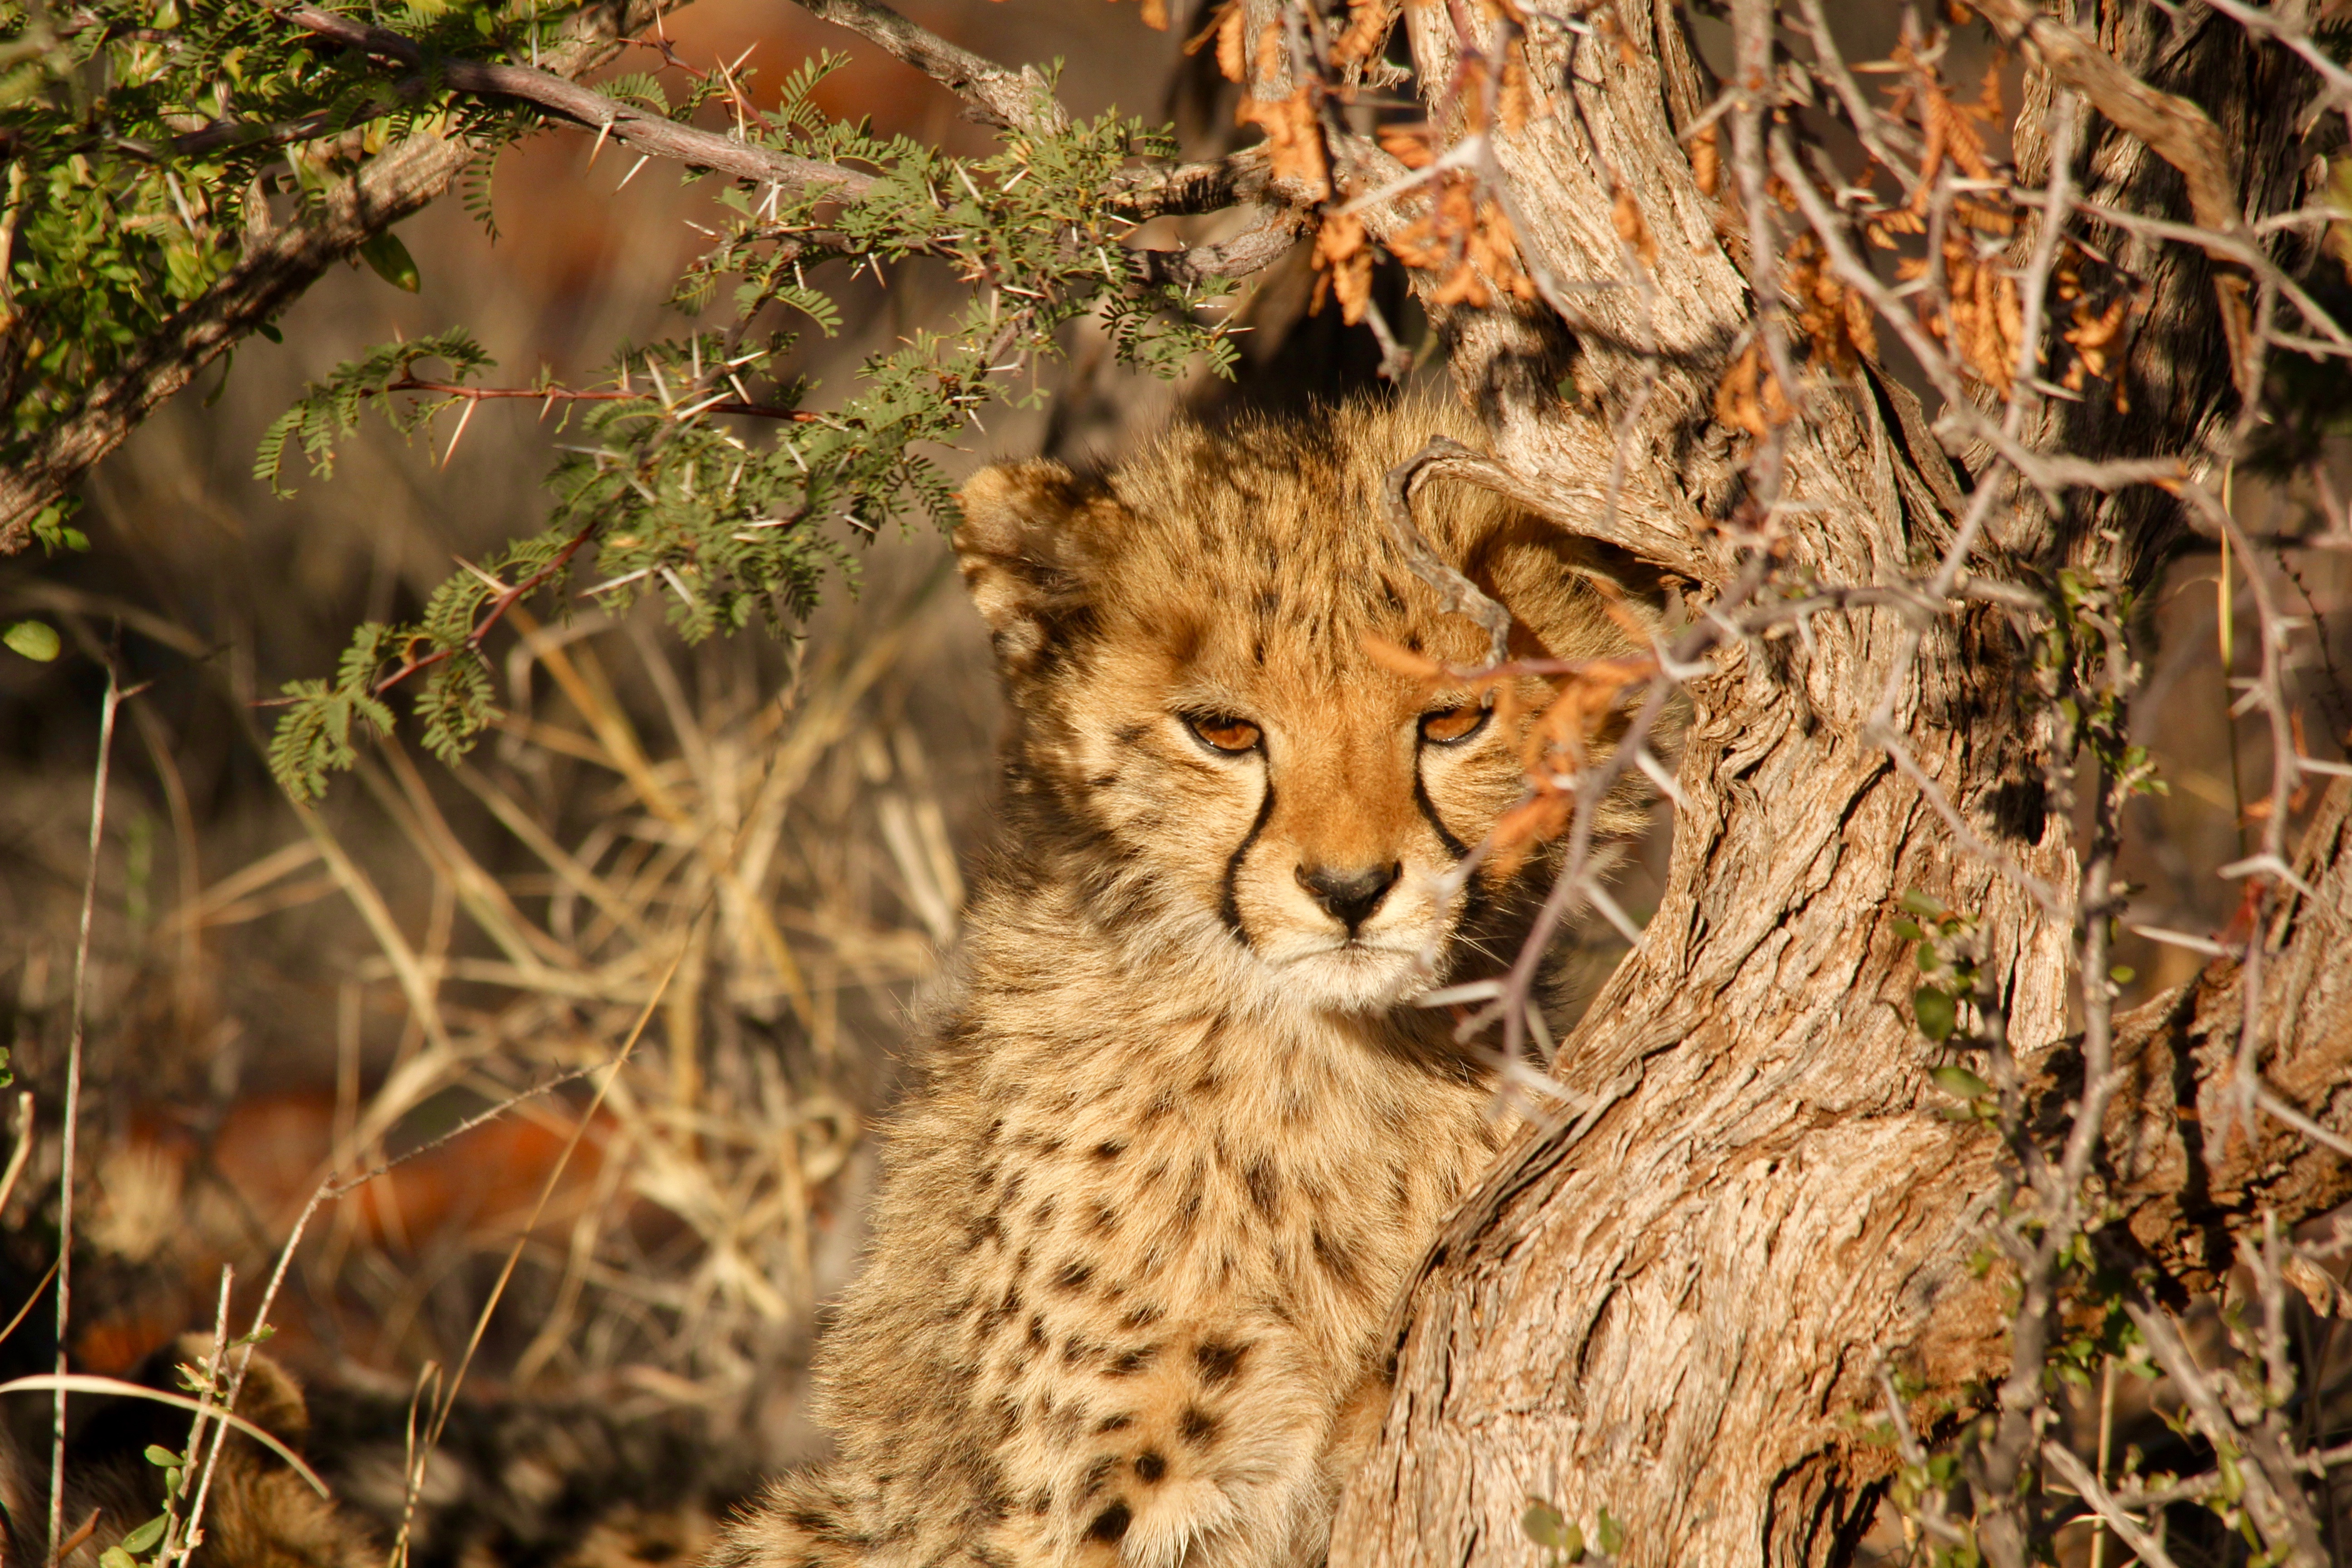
x,y
1676,1307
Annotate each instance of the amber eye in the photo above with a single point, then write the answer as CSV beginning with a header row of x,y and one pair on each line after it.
x,y
1223,731
1452,726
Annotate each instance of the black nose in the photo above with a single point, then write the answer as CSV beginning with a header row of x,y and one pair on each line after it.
x,y
1350,897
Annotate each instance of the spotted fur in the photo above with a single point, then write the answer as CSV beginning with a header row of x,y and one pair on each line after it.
x,y
1179,1135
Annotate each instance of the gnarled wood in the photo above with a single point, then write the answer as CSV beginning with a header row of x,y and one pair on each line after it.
x,y
1675,1308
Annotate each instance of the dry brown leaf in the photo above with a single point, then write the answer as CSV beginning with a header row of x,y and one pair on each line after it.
x,y
1368,22
1408,144
1516,103
1269,51
1293,138
1750,397
1625,214
1339,247
1212,27
1706,160
1230,63
1401,660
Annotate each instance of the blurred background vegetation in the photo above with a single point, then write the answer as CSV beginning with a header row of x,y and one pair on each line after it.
x,y
276,995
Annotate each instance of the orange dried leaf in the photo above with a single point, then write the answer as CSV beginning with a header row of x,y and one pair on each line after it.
x,y
1212,27
1368,22
1625,215
1706,160
1293,138
1230,63
1400,660
1339,247
1408,144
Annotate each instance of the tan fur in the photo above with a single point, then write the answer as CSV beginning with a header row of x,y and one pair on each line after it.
x,y
1180,1136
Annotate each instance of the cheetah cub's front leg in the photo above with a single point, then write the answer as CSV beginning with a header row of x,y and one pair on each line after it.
x,y
1180,1134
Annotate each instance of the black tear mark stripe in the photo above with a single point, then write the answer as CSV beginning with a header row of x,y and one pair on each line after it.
x,y
1229,908
1453,847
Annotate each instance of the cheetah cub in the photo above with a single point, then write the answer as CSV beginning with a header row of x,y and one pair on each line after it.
x,y
1179,1133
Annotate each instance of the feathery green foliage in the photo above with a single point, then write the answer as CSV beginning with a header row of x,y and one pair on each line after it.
x,y
670,491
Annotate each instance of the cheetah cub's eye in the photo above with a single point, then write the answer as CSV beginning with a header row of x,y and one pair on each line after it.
x,y
1452,726
1224,732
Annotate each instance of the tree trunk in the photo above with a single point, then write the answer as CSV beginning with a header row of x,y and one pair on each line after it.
x,y
1676,1307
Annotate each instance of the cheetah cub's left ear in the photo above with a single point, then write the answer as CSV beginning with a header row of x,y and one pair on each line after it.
x,y
1024,551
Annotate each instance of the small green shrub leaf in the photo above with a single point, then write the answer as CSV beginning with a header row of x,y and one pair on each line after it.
x,y
390,262
36,640
1959,1081
1939,1014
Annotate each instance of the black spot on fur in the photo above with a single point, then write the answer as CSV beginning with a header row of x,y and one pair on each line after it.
x,y
1110,1525
1339,1260
1115,1423
1103,1221
1044,1213
1219,1362
1196,1425
1127,1363
1037,1331
1143,1317
1103,781
1073,1275
1097,1475
1130,734
1111,1149
1041,1501
1150,1468
1265,1186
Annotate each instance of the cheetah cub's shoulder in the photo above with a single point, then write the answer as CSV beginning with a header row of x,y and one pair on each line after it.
x,y
1179,1133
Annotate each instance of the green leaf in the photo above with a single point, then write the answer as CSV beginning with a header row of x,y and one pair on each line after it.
x,y
115,1557
391,262
160,1456
1907,929
1545,1527
1936,1011
34,639
145,1536
2123,974
1926,906
1613,1536
1959,1081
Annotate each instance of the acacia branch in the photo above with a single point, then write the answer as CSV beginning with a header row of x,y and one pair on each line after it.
x,y
279,264
652,135
1021,101
505,599
548,395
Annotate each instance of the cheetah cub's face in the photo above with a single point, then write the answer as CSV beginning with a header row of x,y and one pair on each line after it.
x,y
1202,728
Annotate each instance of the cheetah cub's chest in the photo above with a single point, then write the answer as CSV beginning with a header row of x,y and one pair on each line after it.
x,y
1180,1134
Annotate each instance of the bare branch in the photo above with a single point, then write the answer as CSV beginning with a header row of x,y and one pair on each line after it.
x,y
1022,101
1586,516
2175,130
2061,1459
1461,595
654,134
1253,252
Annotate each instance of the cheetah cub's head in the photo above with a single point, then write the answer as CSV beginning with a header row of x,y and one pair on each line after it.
x,y
1205,746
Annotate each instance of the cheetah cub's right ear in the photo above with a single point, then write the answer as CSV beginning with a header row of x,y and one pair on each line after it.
x,y
1025,547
